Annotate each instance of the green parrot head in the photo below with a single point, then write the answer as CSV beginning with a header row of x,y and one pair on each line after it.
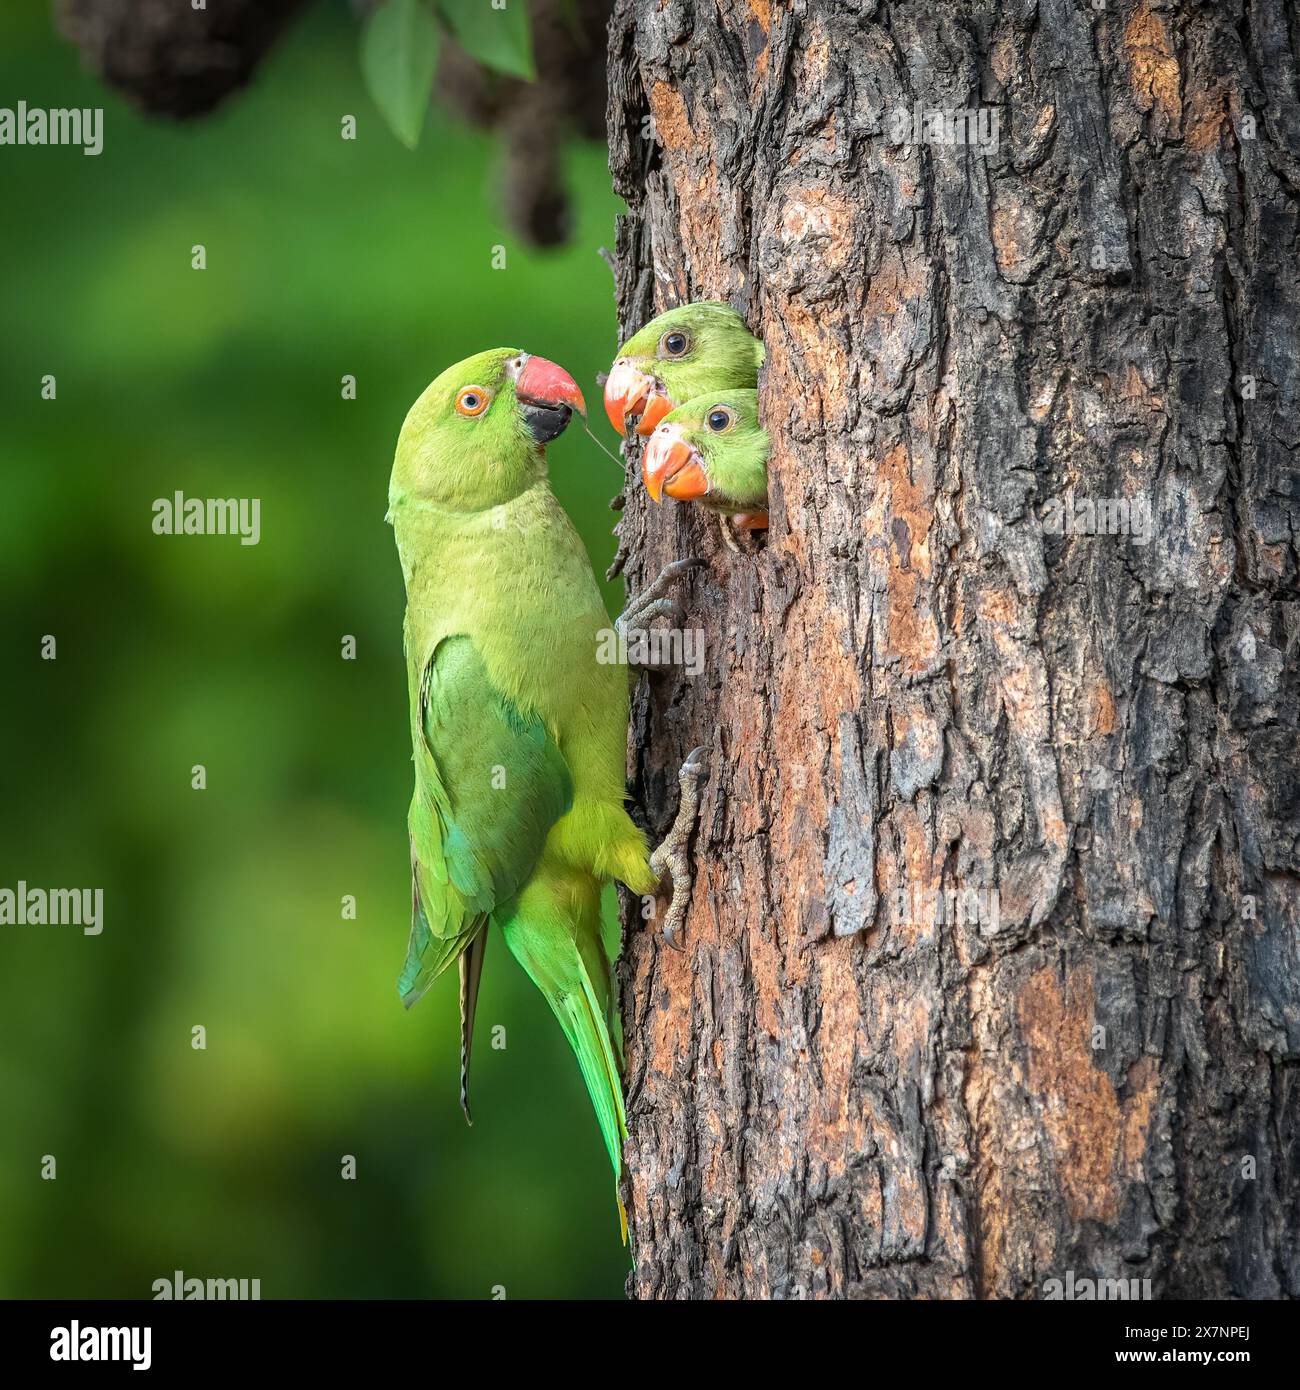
x,y
477,435
711,450
682,354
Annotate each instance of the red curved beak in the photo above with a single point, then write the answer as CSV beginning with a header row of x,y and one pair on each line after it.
x,y
630,391
546,384
670,465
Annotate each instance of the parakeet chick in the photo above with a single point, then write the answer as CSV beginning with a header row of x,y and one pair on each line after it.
x,y
682,354
712,450
518,729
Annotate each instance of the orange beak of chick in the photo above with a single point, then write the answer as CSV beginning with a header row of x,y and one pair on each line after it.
x,y
669,465
632,392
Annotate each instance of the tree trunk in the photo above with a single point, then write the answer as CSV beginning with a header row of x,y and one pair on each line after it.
x,y
921,686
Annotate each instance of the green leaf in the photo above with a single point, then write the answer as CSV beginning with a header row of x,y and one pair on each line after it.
x,y
498,37
399,50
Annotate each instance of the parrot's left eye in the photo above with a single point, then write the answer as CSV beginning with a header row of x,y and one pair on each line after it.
x,y
471,401
720,419
675,344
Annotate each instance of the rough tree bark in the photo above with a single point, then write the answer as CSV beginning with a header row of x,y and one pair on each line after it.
x,y
915,686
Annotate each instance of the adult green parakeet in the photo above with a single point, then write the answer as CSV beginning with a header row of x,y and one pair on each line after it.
x,y
518,729
682,354
712,450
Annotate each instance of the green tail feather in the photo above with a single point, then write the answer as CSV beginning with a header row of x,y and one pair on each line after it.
x,y
565,959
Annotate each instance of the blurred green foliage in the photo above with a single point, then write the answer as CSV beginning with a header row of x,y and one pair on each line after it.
x,y
499,37
223,907
399,55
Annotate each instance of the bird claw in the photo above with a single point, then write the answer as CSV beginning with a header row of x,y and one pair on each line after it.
x,y
696,764
671,857
635,618
653,602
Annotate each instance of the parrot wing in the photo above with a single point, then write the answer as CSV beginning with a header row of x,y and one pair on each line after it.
x,y
490,782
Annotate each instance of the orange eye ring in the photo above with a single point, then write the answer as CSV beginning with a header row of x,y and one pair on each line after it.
x,y
472,401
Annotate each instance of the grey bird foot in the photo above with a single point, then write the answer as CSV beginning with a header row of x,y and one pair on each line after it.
x,y
634,622
671,858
